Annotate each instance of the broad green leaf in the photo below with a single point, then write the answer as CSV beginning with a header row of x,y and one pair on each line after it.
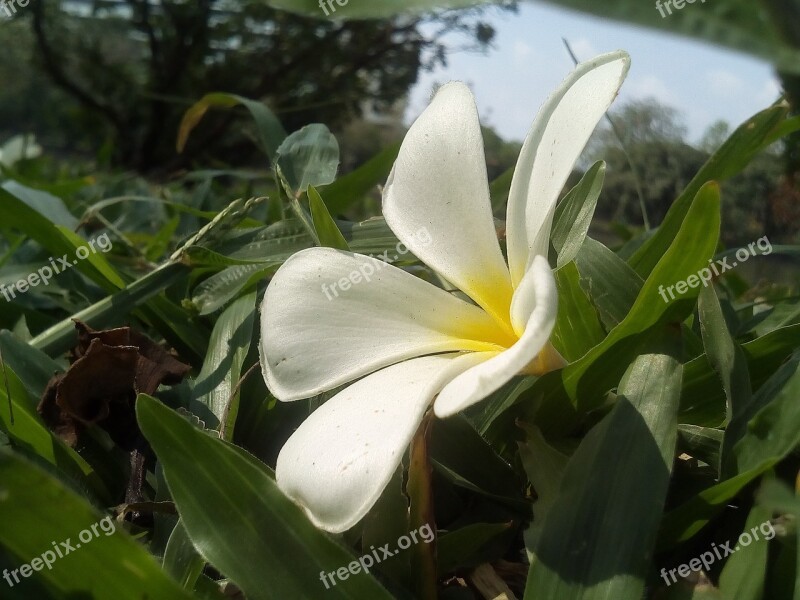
x,y
389,520
577,329
270,131
17,214
39,511
44,203
773,432
702,443
308,157
459,451
216,387
703,400
95,256
499,190
61,336
610,283
349,188
744,573
33,367
462,548
30,435
326,228
685,521
618,475
229,501
219,289
770,435
585,381
727,161
181,559
574,215
726,358
545,467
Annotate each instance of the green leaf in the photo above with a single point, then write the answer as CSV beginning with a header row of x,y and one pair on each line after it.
x,y
609,282
270,131
348,189
216,387
574,214
219,289
703,400
702,443
585,381
326,228
602,493
545,467
28,433
45,204
577,327
308,157
61,336
725,356
464,457
772,433
462,548
229,501
770,436
33,367
181,559
39,511
727,161
744,573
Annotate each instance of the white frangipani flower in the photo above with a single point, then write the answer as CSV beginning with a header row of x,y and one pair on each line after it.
x,y
407,341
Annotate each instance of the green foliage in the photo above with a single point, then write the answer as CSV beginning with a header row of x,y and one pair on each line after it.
x,y
583,483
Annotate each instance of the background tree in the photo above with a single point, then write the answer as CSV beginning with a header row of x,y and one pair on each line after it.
x,y
132,67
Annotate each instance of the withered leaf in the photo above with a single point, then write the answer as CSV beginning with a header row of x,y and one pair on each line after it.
x,y
108,369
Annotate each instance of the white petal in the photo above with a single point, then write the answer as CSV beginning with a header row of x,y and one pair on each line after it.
x,y
536,297
556,140
341,458
317,335
437,200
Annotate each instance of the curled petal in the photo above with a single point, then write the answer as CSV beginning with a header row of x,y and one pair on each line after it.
x,y
329,317
536,297
437,200
556,140
342,457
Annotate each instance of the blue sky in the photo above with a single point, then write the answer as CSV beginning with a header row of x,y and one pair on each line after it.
x,y
510,82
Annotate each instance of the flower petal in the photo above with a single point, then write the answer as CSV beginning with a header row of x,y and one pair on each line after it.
x,y
318,334
341,458
537,298
554,143
437,200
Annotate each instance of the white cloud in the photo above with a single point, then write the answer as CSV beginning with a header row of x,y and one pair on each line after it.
x,y
724,83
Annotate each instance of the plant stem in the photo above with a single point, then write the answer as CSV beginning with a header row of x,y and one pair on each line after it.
x,y
420,492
